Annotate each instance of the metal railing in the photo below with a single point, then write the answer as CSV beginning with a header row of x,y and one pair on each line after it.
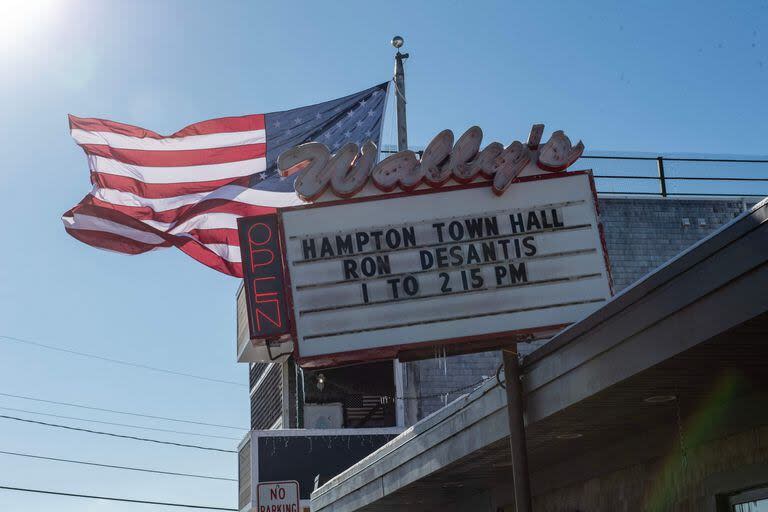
x,y
717,177
666,176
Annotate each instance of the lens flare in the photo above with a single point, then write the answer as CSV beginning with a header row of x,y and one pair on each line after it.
x,y
674,472
23,20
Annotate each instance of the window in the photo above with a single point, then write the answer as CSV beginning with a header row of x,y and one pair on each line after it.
x,y
753,500
365,392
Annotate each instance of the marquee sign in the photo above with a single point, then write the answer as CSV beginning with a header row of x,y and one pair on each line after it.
x,y
393,275
347,172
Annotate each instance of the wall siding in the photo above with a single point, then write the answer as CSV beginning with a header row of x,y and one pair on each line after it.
x,y
641,234
266,400
254,372
244,475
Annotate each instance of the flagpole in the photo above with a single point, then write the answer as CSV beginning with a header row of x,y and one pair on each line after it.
x,y
402,130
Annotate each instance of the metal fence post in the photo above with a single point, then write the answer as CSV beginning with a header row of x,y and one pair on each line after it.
x,y
662,179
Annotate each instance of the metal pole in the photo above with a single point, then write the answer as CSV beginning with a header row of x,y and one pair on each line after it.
x,y
517,443
662,179
299,396
402,130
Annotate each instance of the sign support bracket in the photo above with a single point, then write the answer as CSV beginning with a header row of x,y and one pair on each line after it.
x,y
517,443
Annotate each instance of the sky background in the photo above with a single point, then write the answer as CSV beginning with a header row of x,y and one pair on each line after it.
x,y
657,77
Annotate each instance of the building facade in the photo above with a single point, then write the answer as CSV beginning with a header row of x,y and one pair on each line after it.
x,y
641,233
657,401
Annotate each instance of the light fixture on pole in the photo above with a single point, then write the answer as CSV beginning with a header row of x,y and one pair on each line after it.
x,y
402,131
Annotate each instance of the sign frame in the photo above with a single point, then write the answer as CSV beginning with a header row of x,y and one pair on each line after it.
x,y
266,484
421,350
276,271
253,439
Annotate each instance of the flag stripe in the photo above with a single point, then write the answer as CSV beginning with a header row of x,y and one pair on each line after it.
x,y
101,222
170,217
111,242
188,143
213,126
230,253
205,220
161,190
178,158
187,174
213,236
236,193
210,258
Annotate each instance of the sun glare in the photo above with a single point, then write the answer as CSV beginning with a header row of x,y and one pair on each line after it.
x,y
21,20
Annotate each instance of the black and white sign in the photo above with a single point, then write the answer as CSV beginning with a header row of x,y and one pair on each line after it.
x,y
372,277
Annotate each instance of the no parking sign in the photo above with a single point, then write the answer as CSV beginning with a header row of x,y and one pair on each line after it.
x,y
278,496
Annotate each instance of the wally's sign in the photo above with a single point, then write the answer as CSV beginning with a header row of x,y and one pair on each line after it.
x,y
393,275
347,172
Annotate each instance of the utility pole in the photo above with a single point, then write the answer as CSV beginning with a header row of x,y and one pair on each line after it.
x,y
402,130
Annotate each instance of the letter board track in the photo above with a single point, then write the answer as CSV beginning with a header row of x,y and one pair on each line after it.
x,y
372,277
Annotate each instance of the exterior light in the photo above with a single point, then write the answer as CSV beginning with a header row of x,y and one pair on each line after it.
x,y
397,41
320,382
659,399
572,435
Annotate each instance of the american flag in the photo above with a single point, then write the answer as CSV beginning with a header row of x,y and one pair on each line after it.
x,y
363,407
188,189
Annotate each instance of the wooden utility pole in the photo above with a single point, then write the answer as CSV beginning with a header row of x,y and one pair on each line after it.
x,y
402,130
517,444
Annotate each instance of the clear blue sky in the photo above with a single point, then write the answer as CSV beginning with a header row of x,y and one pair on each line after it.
x,y
621,76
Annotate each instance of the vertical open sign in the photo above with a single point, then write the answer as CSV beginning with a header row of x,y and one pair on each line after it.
x,y
264,276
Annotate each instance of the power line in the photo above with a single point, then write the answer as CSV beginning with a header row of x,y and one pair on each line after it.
x,y
112,434
109,498
69,404
122,362
128,468
120,424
